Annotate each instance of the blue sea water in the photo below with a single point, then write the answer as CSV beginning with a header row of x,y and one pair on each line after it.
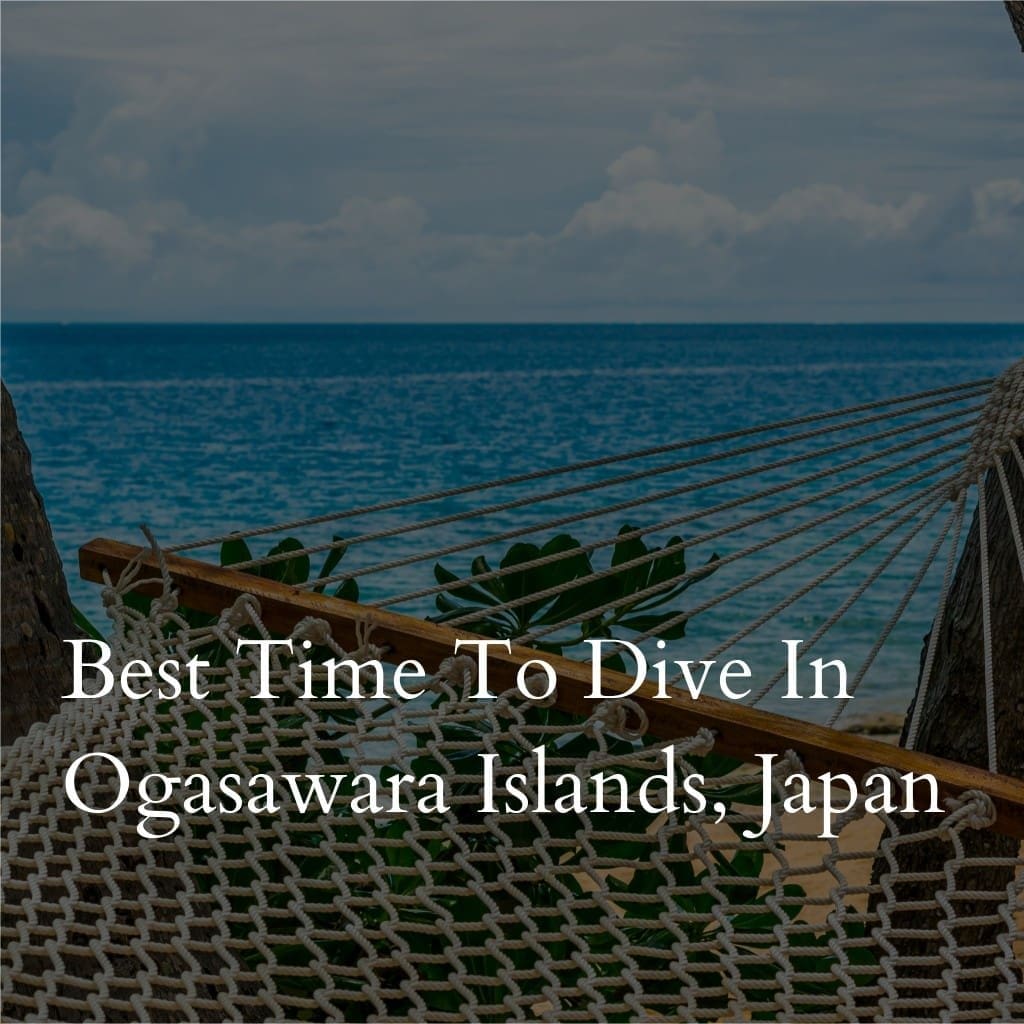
x,y
202,429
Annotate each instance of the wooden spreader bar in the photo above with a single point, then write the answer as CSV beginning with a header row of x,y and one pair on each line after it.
x,y
740,731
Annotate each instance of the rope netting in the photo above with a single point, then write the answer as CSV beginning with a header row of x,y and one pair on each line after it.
x,y
403,909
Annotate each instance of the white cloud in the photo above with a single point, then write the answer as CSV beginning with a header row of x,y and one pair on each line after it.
x,y
696,217
641,163
647,249
62,225
680,150
999,207
691,147
395,219
495,160
818,206
685,212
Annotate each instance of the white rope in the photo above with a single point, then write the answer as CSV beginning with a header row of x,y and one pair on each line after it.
x,y
627,535
986,626
587,487
1015,448
1011,511
1000,423
959,392
852,598
529,500
897,614
915,500
661,586
933,637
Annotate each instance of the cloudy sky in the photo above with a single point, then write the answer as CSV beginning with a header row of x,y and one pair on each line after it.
x,y
508,162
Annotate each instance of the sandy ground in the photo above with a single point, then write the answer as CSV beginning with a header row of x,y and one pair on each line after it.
x,y
853,850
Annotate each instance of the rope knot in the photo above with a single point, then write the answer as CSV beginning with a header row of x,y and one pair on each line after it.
x,y
701,743
974,808
364,645
316,631
619,716
788,764
458,671
244,612
999,424
166,604
158,554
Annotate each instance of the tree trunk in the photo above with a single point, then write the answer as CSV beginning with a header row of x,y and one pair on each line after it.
x,y
953,726
36,612
953,717
1015,9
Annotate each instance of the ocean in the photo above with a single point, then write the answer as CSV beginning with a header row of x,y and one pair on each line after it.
x,y
200,429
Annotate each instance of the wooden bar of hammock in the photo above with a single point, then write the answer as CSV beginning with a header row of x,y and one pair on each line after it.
x,y
740,731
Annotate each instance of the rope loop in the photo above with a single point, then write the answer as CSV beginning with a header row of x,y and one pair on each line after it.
x,y
788,764
316,631
973,808
620,716
165,605
158,554
458,671
245,611
999,424
364,630
700,744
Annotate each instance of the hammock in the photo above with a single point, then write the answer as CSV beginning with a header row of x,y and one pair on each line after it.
x,y
620,914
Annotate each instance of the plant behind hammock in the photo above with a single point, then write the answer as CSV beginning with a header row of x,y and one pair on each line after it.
x,y
586,589
751,918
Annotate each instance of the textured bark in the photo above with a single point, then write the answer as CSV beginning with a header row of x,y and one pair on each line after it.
x,y
1015,9
36,612
953,717
953,726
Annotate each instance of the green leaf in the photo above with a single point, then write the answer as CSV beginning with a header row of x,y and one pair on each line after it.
x,y
334,556
472,594
540,578
234,551
669,566
292,570
630,580
348,590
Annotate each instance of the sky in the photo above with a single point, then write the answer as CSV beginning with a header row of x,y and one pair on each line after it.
x,y
472,162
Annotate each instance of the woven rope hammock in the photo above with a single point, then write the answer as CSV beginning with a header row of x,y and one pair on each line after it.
x,y
797,528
